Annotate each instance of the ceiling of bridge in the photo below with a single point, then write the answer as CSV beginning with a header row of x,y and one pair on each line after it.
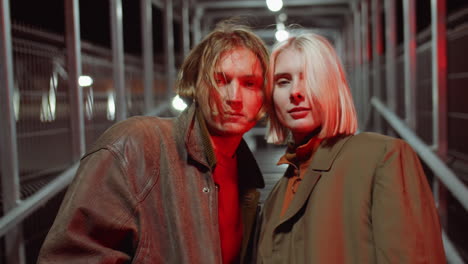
x,y
325,16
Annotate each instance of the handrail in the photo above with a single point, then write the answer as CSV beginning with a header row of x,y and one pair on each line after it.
x,y
450,251
29,205
440,169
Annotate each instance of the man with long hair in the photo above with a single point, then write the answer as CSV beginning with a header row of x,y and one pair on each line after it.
x,y
179,190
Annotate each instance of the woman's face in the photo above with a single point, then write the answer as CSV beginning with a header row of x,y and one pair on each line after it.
x,y
292,106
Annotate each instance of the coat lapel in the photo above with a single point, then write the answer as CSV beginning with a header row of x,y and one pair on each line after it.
x,y
322,161
305,188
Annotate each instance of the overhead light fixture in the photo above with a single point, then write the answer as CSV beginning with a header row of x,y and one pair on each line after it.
x,y
85,81
274,5
281,32
281,35
178,103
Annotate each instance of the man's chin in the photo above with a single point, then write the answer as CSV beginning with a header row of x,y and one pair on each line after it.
x,y
233,129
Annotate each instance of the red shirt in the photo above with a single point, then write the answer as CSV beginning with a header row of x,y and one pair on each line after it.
x,y
229,214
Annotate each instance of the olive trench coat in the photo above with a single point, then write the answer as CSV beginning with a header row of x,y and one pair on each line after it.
x,y
363,199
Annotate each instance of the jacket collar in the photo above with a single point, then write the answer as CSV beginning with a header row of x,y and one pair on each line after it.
x,y
327,152
322,160
191,129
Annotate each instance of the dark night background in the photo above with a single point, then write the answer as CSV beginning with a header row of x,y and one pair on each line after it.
x,y
94,20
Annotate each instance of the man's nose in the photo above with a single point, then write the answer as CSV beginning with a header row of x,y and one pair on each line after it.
x,y
234,95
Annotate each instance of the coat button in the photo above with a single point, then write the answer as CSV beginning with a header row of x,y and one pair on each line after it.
x,y
206,190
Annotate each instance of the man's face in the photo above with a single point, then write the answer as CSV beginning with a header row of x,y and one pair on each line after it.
x,y
239,77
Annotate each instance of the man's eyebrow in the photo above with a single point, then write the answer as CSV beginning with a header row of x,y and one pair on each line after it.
x,y
250,75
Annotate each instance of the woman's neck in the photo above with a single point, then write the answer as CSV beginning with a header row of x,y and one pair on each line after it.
x,y
302,138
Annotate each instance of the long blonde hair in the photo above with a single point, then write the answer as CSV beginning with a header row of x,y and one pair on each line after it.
x,y
326,86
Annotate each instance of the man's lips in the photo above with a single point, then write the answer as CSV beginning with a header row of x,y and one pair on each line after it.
x,y
233,114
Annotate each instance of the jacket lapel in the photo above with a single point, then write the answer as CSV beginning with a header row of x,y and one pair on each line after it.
x,y
322,161
249,202
305,188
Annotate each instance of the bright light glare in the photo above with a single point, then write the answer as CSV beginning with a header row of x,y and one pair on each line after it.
x,y
85,81
281,35
110,106
178,103
274,5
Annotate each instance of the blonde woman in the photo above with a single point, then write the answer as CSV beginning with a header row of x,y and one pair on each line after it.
x,y
344,198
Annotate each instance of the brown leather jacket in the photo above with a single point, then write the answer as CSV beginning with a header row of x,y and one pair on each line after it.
x,y
145,194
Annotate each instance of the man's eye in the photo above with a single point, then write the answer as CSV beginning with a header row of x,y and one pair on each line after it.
x,y
220,81
249,83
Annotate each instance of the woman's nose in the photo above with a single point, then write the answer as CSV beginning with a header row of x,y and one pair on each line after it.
x,y
296,94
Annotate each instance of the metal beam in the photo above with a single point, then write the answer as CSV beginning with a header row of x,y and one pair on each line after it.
x,y
73,42
35,201
169,55
440,169
365,98
254,4
196,25
118,58
439,74
185,27
358,60
390,54
377,50
270,33
303,11
146,11
14,245
409,25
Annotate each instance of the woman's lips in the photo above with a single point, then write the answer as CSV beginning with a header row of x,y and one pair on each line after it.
x,y
299,112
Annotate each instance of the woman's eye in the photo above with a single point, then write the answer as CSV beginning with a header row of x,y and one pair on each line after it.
x,y
282,82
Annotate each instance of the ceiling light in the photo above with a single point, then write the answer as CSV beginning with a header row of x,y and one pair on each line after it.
x,y
274,5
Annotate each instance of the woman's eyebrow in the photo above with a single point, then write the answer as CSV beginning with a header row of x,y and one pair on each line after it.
x,y
280,75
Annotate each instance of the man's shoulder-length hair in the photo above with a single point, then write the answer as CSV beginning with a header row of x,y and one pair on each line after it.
x,y
196,76
326,88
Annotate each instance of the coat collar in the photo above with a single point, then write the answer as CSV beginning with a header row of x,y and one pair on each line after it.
x,y
322,160
327,152
191,129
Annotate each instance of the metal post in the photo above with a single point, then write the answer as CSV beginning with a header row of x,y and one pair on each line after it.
x,y
146,7
439,75
72,21
196,25
365,63
409,24
377,51
118,58
169,57
350,51
439,93
339,40
390,54
185,28
14,246
358,60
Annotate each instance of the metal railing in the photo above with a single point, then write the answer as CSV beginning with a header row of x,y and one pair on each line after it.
x,y
442,171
